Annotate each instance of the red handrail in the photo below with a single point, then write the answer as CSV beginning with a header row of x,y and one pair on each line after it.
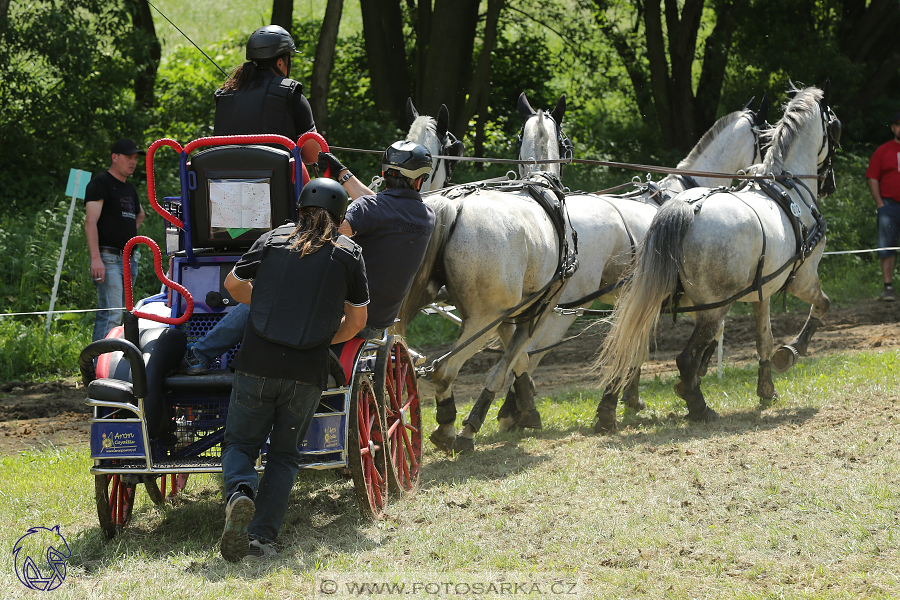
x,y
323,145
151,183
157,263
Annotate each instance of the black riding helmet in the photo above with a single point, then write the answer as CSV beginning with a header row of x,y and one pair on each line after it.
x,y
407,159
269,42
325,193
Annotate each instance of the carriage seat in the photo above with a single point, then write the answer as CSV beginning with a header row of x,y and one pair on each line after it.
x,y
237,193
111,390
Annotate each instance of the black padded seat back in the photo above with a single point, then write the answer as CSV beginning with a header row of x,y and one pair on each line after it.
x,y
111,390
237,193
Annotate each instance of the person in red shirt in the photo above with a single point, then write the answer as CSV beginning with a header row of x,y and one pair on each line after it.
x,y
883,176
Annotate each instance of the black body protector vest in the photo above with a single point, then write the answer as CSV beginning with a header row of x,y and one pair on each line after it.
x,y
265,109
299,301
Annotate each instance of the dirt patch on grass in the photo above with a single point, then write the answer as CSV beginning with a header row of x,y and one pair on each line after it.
x,y
36,414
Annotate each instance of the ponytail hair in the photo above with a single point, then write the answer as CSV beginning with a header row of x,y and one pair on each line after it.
x,y
248,76
315,228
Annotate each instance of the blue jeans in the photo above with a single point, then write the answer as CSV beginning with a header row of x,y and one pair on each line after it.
x,y
227,333
888,227
282,410
111,293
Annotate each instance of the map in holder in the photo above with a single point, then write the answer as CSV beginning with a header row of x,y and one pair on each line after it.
x,y
240,204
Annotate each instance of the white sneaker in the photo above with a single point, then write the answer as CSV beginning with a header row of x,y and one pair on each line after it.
x,y
260,550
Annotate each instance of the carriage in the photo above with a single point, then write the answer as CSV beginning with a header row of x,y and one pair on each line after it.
x,y
155,427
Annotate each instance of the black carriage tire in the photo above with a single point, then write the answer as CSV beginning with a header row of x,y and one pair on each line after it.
x,y
113,524
155,493
398,395
366,450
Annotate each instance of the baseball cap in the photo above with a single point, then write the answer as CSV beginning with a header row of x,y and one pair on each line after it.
x,y
126,147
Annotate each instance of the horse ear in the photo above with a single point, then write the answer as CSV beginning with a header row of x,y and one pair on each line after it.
x,y
763,113
525,109
411,113
560,111
826,91
443,121
749,102
792,89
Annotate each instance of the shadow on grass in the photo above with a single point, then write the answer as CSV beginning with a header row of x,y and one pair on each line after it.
x,y
322,516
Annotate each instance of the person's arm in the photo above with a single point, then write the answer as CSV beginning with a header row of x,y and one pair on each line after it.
x,y
345,229
241,291
875,190
353,320
92,212
354,187
139,218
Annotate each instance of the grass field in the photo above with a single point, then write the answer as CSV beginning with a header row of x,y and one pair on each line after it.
x,y
799,500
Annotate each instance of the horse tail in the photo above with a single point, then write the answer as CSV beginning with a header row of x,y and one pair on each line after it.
x,y
653,279
431,276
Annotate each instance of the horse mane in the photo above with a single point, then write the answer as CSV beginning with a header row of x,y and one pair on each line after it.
x,y
420,129
708,137
778,140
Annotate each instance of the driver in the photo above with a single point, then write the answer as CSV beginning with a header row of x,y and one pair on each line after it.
x,y
259,97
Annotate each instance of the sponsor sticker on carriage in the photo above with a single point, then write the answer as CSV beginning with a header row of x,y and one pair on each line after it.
x,y
325,433
117,441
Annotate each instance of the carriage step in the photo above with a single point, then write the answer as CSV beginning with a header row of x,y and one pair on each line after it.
x,y
211,382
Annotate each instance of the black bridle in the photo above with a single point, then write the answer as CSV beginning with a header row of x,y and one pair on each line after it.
x,y
564,145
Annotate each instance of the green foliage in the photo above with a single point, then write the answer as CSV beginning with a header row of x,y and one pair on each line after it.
x,y
65,80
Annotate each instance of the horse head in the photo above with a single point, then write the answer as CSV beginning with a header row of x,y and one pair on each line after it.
x,y
433,134
541,137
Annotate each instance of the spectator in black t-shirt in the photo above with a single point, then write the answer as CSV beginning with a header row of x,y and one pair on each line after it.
x,y
113,214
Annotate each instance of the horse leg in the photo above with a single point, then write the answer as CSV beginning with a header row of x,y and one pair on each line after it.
x,y
786,356
606,409
689,363
443,376
765,344
631,394
472,423
507,413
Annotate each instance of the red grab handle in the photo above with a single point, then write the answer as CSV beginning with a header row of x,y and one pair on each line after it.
x,y
323,145
151,183
157,263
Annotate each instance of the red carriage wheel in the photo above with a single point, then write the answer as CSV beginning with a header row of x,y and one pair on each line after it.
x,y
115,503
403,415
365,441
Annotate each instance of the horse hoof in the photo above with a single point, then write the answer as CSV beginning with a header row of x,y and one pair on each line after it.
x,y
707,416
530,420
442,441
784,358
605,426
463,445
767,402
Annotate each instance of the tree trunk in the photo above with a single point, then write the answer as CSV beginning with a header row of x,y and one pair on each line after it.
x,y
715,59
423,42
148,52
449,61
283,13
323,63
4,15
480,98
386,55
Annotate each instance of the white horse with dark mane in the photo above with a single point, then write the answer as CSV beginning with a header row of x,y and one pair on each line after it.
x,y
500,256
610,227
433,134
708,248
